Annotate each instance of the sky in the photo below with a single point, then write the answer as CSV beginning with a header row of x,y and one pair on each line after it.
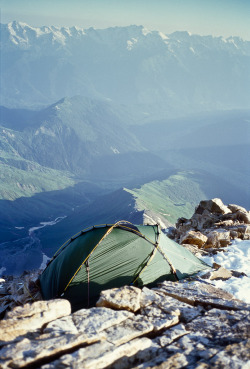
x,y
205,17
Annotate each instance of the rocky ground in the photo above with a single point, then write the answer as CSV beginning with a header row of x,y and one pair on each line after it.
x,y
187,324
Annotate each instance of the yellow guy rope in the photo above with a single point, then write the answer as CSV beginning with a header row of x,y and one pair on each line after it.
x,y
105,235
151,258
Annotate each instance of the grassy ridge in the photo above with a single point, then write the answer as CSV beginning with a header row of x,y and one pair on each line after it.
x,y
16,182
173,197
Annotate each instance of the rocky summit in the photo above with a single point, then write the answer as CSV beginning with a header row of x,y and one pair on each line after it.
x,y
185,324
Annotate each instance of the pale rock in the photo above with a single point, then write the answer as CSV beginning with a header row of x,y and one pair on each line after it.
x,y
218,238
30,352
185,312
244,231
201,294
98,318
221,274
224,223
243,216
195,348
128,330
203,220
148,297
164,361
99,355
141,356
215,206
234,208
194,238
171,335
233,326
27,318
236,356
159,318
124,298
241,231
61,326
92,320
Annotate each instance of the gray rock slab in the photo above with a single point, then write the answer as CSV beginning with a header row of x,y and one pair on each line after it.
x,y
99,355
27,318
236,356
148,297
91,320
164,361
159,318
185,311
203,294
31,352
140,356
128,330
61,326
220,274
97,319
222,325
124,298
170,335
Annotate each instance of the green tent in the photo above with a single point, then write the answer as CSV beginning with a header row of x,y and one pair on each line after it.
x,y
109,256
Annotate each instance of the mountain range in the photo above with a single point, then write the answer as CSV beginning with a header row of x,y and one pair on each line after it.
x,y
156,75
124,123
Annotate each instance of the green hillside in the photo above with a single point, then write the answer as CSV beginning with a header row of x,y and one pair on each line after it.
x,y
16,182
173,197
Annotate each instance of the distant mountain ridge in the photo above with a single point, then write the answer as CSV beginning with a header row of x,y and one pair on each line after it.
x,y
154,73
99,125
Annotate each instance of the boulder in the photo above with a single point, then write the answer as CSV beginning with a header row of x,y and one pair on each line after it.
x,y
219,274
215,206
234,208
28,318
127,298
194,238
218,238
243,216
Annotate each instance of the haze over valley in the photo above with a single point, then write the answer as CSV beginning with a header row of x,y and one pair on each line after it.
x,y
99,125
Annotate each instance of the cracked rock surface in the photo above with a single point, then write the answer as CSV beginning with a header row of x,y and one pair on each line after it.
x,y
176,325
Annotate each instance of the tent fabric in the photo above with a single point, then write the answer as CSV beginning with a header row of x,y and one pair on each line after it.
x,y
109,256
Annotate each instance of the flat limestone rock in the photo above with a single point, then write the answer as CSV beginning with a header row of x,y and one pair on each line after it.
x,y
98,319
235,356
148,297
185,311
91,320
27,318
62,325
233,325
171,335
27,352
203,294
163,361
124,298
162,307
99,355
158,318
128,330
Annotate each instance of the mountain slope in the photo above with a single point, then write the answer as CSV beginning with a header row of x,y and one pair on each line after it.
x,y
160,201
164,75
